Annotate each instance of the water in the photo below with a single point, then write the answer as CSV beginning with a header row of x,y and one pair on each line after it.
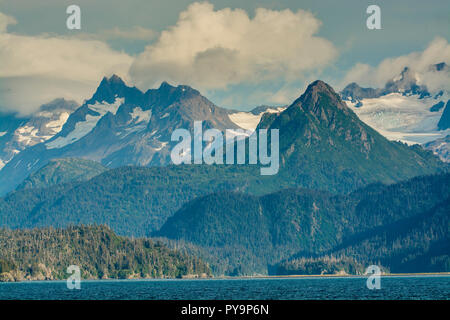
x,y
411,287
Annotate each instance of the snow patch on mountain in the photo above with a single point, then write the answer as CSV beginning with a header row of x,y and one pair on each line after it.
x,y
139,115
401,117
57,125
246,120
250,121
82,128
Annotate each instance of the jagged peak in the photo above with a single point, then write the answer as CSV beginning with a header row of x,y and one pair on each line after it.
x,y
114,87
114,79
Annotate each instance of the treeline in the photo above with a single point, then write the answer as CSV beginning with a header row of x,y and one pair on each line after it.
x,y
313,266
45,254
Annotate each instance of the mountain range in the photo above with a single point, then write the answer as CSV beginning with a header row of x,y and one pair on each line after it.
x,y
323,146
405,109
120,125
20,132
341,190
388,223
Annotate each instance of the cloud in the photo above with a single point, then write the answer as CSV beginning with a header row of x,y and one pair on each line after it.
x,y
5,21
37,69
437,51
211,48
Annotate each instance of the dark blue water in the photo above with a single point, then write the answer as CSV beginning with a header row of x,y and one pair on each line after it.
x,y
423,287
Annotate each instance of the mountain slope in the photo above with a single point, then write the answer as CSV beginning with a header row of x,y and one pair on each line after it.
x,y
18,133
131,200
444,122
119,126
415,244
404,109
59,171
45,254
324,143
251,233
440,147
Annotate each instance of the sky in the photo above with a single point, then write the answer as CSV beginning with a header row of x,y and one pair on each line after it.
x,y
239,54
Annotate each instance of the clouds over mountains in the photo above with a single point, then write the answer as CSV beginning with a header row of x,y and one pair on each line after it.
x,y
37,69
437,51
213,49
207,48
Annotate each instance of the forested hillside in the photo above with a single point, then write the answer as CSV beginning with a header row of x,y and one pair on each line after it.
x,y
45,254
253,234
417,244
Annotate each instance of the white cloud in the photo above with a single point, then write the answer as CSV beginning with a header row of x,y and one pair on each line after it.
x,y
5,21
213,49
437,51
37,69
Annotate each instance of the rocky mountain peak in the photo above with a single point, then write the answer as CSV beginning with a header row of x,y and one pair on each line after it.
x,y
114,87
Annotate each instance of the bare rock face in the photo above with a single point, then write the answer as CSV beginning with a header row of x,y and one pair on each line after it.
x,y
444,122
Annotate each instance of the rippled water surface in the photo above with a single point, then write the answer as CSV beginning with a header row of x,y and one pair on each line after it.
x,y
423,287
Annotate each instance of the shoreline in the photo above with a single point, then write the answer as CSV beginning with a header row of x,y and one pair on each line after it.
x,y
429,274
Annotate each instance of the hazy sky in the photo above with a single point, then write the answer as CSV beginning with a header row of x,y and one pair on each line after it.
x,y
237,53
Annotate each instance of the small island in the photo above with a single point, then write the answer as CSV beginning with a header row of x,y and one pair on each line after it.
x,y
45,254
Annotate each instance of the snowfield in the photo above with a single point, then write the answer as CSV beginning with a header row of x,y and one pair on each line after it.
x,y
399,117
82,128
250,121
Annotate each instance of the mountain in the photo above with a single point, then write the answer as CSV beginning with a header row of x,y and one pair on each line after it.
x,y
416,244
59,171
119,126
18,133
323,145
406,83
45,254
241,234
405,109
133,201
250,120
440,147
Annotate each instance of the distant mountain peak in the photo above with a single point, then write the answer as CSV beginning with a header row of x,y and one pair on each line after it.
x,y
319,86
440,66
320,95
165,85
59,103
114,87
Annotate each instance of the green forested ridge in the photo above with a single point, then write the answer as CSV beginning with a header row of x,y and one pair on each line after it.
x,y
417,244
323,145
253,234
59,171
39,254
245,223
131,200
